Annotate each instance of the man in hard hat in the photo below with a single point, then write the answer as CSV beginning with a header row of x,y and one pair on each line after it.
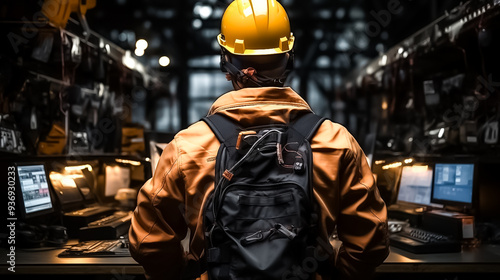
x,y
257,45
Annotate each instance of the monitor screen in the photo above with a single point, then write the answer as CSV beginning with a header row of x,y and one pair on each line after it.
x,y
116,177
453,183
415,185
35,191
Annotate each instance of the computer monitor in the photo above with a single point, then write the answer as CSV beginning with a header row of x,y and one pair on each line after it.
x,y
415,186
454,184
113,178
35,197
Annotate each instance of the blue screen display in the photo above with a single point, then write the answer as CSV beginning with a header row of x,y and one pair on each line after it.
x,y
453,182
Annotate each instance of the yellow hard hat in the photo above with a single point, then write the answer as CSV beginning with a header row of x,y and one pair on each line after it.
x,y
255,27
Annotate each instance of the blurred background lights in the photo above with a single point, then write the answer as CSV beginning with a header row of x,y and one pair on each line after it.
x,y
141,44
164,61
197,23
139,52
205,12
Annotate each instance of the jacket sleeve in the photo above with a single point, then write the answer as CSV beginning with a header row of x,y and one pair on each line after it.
x,y
362,220
158,223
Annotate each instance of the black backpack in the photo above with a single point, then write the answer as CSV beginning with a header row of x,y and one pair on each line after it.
x,y
260,221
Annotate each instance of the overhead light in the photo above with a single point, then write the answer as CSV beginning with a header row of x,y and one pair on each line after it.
x,y
392,165
127,161
141,44
164,61
408,160
205,11
139,52
78,167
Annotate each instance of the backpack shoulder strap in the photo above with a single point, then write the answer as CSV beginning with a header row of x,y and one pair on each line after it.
x,y
224,129
307,125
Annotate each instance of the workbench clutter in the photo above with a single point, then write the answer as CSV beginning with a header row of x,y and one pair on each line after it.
x,y
65,89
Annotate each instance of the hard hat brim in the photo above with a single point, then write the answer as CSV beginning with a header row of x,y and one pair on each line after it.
x,y
238,48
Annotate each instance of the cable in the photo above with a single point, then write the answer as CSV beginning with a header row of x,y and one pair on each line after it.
x,y
218,192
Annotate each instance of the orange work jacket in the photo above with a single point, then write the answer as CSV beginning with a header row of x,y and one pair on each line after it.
x,y
169,204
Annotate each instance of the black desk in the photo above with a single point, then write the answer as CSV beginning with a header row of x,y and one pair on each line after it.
x,y
485,260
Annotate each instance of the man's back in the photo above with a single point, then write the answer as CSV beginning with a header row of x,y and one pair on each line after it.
x,y
344,187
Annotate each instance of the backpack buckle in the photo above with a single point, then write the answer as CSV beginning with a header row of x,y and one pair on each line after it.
x,y
242,135
228,175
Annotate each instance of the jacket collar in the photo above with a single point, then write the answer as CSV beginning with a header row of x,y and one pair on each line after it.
x,y
257,106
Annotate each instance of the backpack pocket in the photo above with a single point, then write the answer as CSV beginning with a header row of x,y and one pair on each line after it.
x,y
260,208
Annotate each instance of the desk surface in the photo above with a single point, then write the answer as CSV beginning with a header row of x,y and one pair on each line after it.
x,y
485,259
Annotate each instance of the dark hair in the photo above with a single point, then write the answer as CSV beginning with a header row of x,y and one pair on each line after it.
x,y
272,70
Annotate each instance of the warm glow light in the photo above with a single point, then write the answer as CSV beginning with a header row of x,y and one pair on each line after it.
x,y
408,160
384,105
164,61
420,168
141,44
127,161
139,52
54,176
78,167
392,165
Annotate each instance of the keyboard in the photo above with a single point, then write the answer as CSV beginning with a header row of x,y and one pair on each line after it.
x,y
109,219
76,219
89,210
420,241
97,248
107,228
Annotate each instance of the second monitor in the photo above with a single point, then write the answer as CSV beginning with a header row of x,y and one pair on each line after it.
x,y
415,185
454,184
